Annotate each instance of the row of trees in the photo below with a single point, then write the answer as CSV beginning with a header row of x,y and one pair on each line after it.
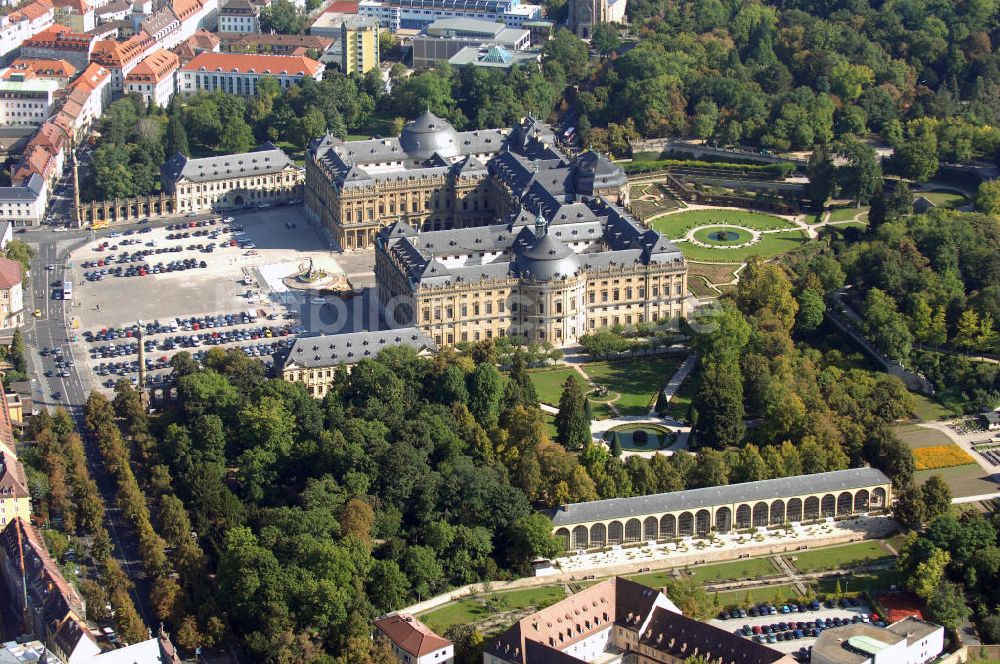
x,y
173,601
63,491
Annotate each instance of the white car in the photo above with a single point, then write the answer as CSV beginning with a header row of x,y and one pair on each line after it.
x,y
228,220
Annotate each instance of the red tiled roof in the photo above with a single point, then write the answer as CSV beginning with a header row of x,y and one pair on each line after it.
x,y
10,273
111,53
36,160
184,9
36,9
410,634
60,37
259,64
155,67
45,67
90,79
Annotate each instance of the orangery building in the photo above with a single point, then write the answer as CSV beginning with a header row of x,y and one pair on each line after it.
x,y
663,516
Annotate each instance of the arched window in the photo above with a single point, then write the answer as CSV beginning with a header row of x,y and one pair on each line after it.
x,y
650,528
777,512
685,524
668,526
794,511
633,531
861,501
743,516
812,508
615,532
845,503
760,515
598,535
828,506
563,535
723,519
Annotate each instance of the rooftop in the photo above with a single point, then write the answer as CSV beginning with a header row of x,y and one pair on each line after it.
x,y
255,64
410,634
859,643
334,349
617,508
266,159
156,67
45,67
546,635
492,56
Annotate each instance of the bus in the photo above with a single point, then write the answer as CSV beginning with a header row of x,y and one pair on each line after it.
x,y
99,224
67,293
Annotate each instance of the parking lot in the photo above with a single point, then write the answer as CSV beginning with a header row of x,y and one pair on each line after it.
x,y
183,280
794,632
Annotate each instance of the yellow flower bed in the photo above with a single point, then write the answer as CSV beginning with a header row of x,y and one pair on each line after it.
x,y
941,456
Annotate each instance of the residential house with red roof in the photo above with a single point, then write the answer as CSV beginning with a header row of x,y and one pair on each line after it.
x,y
120,58
59,70
155,78
60,43
411,641
201,41
44,155
87,97
24,23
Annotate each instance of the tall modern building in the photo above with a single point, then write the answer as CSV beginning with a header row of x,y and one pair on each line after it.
x,y
493,233
359,45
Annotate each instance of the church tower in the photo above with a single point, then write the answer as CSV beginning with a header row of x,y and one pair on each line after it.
x,y
585,14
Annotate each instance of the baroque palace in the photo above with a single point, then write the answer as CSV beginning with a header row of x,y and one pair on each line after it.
x,y
494,233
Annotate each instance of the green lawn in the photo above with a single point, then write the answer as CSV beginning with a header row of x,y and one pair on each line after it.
x,y
680,404
967,480
676,225
380,124
872,582
770,245
748,568
943,198
916,436
835,557
848,213
653,579
928,408
776,594
549,383
466,611
636,380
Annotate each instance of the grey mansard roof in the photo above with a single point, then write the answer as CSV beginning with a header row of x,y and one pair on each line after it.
x,y
266,160
749,492
334,349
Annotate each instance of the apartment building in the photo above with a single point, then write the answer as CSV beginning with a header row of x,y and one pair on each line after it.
x,y
155,78
239,73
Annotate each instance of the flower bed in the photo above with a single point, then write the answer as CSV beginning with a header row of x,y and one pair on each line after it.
x,y
941,456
